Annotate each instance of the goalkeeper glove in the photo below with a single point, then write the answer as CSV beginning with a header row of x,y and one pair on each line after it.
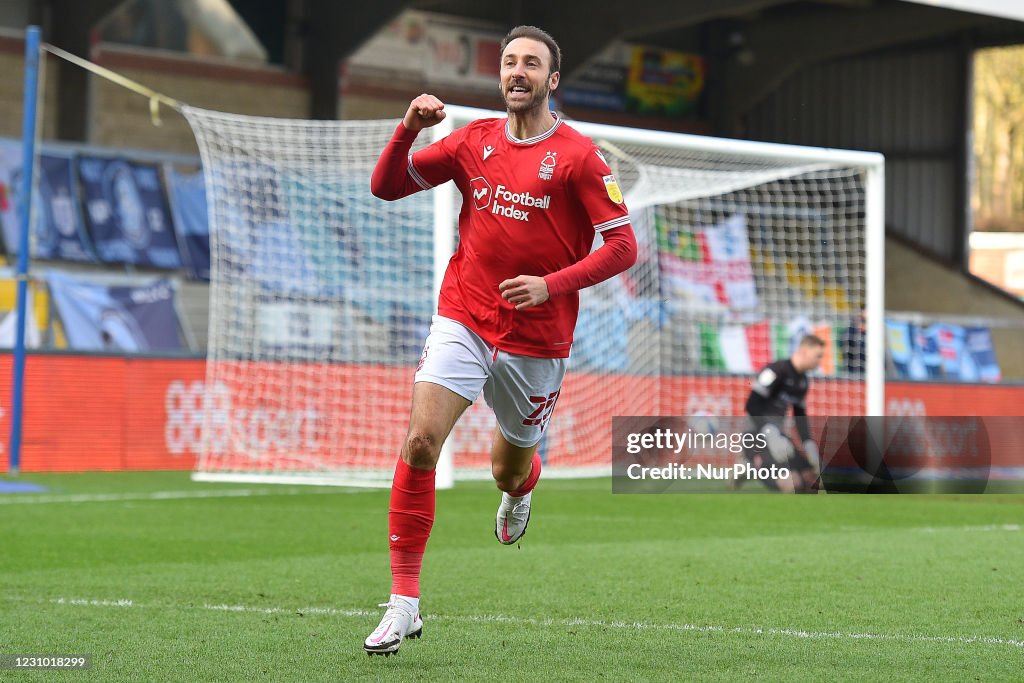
x,y
811,452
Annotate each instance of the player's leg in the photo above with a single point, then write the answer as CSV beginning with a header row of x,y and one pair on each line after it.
x,y
782,452
804,473
522,391
435,410
451,374
516,470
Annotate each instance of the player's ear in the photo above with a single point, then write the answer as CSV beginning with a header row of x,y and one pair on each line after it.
x,y
553,80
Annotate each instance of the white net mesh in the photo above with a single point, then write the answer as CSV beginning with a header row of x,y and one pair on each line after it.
x,y
321,297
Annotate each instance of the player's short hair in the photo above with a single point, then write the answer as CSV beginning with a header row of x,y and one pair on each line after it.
x,y
812,340
540,35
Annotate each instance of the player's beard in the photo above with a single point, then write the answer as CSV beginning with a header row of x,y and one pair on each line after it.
x,y
538,98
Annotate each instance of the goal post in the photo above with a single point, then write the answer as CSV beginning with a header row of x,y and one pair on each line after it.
x,y
321,294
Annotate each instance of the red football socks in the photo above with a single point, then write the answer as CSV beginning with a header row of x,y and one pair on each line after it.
x,y
531,480
410,518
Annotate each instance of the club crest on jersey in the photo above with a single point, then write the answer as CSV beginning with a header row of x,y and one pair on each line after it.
x,y
547,166
614,193
481,190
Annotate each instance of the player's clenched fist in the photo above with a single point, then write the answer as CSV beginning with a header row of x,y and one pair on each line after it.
x,y
424,111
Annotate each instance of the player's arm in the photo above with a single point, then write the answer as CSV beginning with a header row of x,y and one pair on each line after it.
x,y
810,447
617,254
760,395
802,428
396,175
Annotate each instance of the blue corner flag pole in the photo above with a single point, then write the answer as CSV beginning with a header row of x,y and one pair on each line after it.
x,y
28,141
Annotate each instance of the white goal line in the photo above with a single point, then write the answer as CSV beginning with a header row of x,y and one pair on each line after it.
x,y
587,623
37,499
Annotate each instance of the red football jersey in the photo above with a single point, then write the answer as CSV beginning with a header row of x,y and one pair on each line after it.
x,y
529,207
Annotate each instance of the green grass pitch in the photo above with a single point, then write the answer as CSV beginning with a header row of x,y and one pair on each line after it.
x,y
235,582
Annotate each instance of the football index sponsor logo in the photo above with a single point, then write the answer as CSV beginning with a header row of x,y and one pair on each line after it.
x,y
505,202
514,201
481,192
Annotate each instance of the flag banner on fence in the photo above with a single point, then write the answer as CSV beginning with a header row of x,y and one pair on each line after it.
x,y
733,347
948,341
187,194
982,353
59,228
126,212
59,231
914,354
926,347
98,317
901,349
707,265
942,351
10,169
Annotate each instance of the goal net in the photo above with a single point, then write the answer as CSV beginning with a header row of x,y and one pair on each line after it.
x,y
321,294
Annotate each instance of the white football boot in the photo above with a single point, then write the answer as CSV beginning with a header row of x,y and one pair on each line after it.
x,y
512,519
401,620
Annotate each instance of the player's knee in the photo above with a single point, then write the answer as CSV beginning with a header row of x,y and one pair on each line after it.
x,y
507,478
421,450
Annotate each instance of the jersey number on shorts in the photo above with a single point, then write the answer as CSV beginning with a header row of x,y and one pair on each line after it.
x,y
540,416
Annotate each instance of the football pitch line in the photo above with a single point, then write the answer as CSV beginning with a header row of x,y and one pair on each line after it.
x,y
587,623
938,529
35,499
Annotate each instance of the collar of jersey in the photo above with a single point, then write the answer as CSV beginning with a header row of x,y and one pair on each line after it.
x,y
536,138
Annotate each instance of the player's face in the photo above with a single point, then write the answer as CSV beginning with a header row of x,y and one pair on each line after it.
x,y
526,78
811,357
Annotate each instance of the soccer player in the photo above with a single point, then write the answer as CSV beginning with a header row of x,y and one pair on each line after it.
x,y
534,194
778,387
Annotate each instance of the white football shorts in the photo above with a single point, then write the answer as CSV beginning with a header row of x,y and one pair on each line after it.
x,y
521,390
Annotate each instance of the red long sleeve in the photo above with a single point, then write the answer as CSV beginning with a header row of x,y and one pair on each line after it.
x,y
617,254
390,179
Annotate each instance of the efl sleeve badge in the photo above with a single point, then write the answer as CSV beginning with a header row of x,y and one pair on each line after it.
x,y
614,193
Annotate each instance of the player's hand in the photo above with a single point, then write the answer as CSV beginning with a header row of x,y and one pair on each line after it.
x,y
424,111
811,453
525,291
